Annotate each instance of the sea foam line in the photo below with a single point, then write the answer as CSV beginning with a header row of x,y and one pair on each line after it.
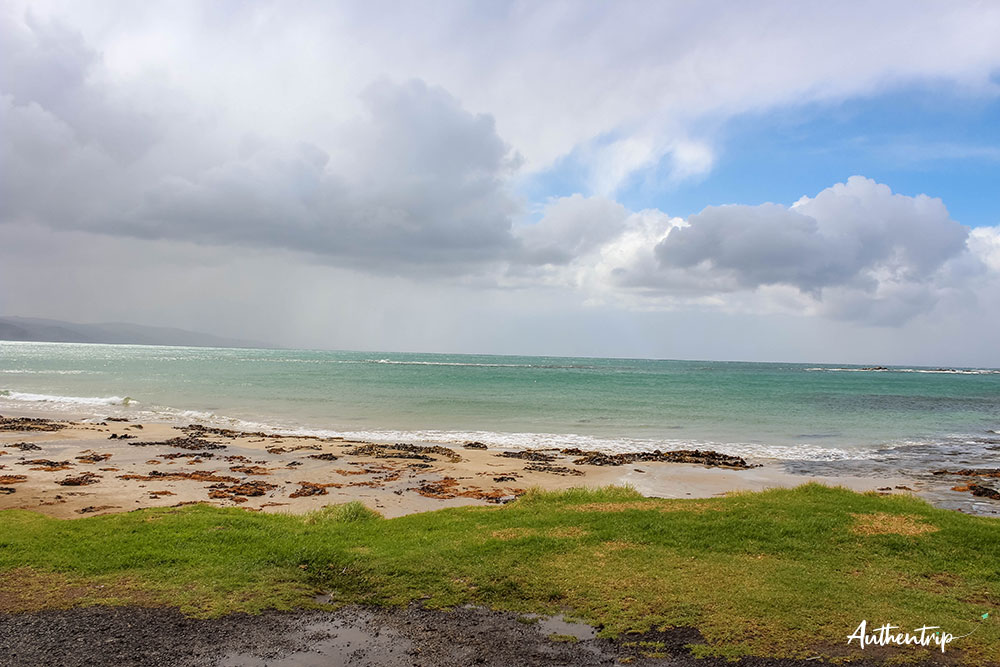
x,y
931,371
516,440
395,362
66,400
123,406
17,371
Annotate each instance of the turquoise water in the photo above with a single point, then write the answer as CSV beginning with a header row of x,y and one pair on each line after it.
x,y
788,411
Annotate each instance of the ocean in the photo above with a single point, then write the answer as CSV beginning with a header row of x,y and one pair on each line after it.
x,y
792,412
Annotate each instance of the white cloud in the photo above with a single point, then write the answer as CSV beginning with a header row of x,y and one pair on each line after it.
x,y
690,159
856,251
571,227
856,234
556,76
612,163
984,243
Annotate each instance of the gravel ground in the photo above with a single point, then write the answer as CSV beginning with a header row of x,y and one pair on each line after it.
x,y
120,636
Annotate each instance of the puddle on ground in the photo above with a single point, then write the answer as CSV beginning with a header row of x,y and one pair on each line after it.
x,y
557,625
553,625
330,644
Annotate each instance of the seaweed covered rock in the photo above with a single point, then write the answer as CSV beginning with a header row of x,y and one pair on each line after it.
x,y
188,442
405,451
29,424
85,479
239,492
984,492
694,456
970,472
529,456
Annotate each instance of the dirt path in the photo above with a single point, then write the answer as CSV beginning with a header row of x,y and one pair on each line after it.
x,y
120,636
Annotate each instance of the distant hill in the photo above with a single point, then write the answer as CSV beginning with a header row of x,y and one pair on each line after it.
x,y
116,333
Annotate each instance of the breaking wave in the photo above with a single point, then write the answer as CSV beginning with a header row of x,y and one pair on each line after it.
x,y
933,371
470,364
522,440
15,371
66,401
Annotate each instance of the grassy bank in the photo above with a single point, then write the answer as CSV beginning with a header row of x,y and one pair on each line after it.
x,y
781,573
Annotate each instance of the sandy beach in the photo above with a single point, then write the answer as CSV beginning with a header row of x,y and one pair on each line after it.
x,y
80,468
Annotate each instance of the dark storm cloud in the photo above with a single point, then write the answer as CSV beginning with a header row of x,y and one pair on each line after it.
x,y
418,181
48,67
65,139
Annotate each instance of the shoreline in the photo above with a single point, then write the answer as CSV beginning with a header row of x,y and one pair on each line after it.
x,y
117,465
758,451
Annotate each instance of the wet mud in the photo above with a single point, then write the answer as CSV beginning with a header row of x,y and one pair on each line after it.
x,y
360,637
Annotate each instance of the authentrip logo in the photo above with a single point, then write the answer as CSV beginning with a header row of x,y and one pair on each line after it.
x,y
924,636
886,634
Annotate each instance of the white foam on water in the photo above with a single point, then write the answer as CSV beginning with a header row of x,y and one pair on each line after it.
x,y
126,406
931,371
522,440
117,405
15,371
470,364
66,401
442,363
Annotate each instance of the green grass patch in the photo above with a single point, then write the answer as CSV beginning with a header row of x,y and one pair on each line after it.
x,y
785,573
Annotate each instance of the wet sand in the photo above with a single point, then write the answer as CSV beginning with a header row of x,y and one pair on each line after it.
x,y
83,468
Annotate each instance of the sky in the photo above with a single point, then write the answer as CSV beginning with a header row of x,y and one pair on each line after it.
x,y
772,181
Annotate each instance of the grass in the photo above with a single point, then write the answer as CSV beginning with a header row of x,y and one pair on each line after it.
x,y
784,573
